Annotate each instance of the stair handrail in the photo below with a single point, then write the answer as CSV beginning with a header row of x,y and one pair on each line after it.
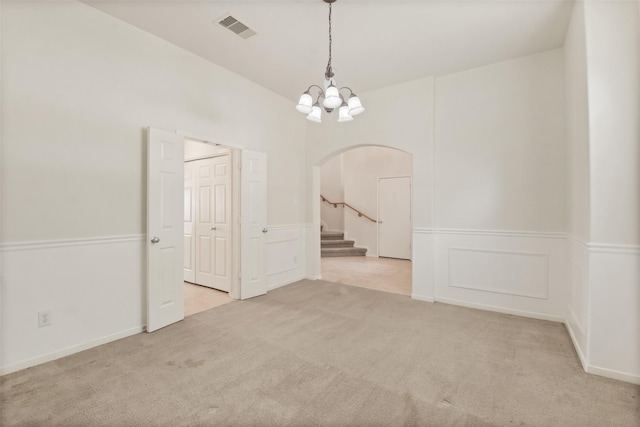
x,y
335,205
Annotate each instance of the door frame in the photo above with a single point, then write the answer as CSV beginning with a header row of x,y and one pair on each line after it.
x,y
410,212
234,155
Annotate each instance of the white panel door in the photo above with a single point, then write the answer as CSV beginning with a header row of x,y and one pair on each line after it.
x,y
165,228
254,224
394,217
204,227
189,223
222,222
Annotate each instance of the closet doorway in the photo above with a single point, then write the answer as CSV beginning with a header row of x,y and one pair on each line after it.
x,y
207,224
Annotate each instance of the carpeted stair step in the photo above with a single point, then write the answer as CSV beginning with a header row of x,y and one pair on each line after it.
x,y
336,243
331,235
335,252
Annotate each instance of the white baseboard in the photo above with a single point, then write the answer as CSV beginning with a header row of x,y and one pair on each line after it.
x,y
70,350
316,277
421,298
533,315
581,356
616,375
284,283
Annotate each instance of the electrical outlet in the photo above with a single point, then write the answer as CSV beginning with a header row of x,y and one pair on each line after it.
x,y
44,318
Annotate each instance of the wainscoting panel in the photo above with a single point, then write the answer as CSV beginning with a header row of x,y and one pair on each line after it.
x,y
518,272
285,254
614,314
94,288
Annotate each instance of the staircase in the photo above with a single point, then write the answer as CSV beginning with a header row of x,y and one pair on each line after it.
x,y
332,244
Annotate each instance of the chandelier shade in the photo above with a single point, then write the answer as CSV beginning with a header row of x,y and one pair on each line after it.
x,y
305,104
355,106
343,113
316,114
329,95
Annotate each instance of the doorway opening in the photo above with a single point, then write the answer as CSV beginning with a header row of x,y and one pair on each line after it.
x,y
366,219
165,225
208,225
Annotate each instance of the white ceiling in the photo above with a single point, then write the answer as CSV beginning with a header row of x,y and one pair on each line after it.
x,y
375,43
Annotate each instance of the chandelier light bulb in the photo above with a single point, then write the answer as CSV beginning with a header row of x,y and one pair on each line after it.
x,y
305,103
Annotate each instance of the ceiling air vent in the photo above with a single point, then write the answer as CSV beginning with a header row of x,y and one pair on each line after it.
x,y
231,23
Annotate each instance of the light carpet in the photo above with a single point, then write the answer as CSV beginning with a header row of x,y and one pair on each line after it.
x,y
319,353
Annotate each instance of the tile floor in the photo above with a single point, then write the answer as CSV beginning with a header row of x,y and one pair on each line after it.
x,y
200,298
382,274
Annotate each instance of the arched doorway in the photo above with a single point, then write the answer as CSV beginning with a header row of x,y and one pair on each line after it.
x,y
365,218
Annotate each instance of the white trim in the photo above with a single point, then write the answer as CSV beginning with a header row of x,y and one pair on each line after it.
x,y
503,233
47,244
610,248
317,277
578,240
616,375
422,298
70,350
583,359
423,230
498,291
493,308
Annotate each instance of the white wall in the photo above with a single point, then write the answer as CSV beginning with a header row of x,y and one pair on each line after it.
x,y
399,117
500,146
602,52
332,187
613,61
362,168
79,88
613,67
501,187
497,175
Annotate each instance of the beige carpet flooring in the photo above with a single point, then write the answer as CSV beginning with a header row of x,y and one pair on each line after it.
x,y
318,353
383,274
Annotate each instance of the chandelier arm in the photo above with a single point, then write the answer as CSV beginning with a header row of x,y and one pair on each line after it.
x,y
319,88
347,88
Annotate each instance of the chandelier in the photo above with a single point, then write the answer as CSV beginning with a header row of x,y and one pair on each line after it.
x,y
329,95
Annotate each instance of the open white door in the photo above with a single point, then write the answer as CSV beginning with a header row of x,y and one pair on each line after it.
x,y
165,228
253,228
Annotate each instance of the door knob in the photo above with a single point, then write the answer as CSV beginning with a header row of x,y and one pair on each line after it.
x,y
155,239
213,228
264,230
